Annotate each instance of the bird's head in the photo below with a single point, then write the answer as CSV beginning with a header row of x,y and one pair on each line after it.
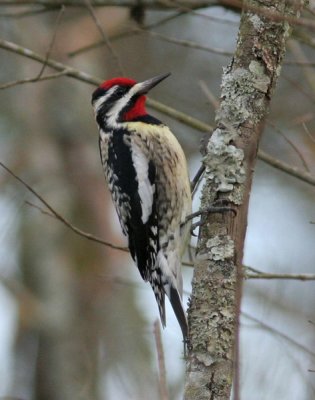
x,y
122,99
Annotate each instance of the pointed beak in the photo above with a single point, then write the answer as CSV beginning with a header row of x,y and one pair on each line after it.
x,y
146,86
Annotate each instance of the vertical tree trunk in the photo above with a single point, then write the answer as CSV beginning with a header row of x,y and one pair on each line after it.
x,y
247,86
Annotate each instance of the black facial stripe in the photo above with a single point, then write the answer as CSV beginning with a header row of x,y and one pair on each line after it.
x,y
106,106
127,107
148,119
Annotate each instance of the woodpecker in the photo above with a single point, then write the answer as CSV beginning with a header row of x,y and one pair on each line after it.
x,y
146,172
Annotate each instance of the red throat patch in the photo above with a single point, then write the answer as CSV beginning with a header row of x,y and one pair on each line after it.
x,y
138,110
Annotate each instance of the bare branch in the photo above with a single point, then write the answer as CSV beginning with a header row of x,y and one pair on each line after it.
x,y
178,115
278,333
187,43
58,216
161,361
33,80
247,86
105,40
294,147
54,214
169,5
28,13
299,87
125,33
308,132
51,45
150,4
296,172
70,71
209,95
267,275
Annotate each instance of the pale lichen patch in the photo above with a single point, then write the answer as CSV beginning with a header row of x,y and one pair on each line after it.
x,y
224,162
258,24
220,248
205,358
237,195
261,81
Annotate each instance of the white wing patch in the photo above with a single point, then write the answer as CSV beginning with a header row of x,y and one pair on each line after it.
x,y
146,189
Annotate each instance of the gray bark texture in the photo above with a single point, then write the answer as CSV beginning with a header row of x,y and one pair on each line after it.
x,y
247,87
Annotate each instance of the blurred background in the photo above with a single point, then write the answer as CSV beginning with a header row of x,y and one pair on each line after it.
x,y
77,319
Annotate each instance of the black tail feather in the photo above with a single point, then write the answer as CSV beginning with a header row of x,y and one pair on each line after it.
x,y
160,299
176,302
177,305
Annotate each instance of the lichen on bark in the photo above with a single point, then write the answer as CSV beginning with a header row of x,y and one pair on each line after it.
x,y
247,86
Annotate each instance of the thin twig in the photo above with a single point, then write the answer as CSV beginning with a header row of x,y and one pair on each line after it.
x,y
28,13
53,213
209,95
105,37
161,361
278,333
295,84
179,116
190,44
52,42
33,80
191,11
39,76
125,33
308,132
294,147
293,171
76,230
257,274
266,275
72,72
167,5
58,216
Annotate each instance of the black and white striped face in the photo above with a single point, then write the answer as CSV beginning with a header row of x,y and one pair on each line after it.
x,y
121,99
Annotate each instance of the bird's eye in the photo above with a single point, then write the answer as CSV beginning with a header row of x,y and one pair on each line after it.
x,y
121,90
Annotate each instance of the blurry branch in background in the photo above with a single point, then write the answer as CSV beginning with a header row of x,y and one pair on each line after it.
x,y
69,71
39,76
293,171
209,95
235,5
179,42
105,38
304,38
51,45
308,132
161,361
257,274
33,80
76,230
296,85
187,43
294,147
276,332
171,112
125,33
301,57
54,214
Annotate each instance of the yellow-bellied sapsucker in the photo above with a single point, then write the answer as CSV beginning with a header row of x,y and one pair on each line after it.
x,y
146,171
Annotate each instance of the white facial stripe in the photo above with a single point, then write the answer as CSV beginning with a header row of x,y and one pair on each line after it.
x,y
121,104
103,98
146,189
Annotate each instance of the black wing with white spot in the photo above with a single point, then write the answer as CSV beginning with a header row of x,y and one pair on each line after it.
x,y
131,178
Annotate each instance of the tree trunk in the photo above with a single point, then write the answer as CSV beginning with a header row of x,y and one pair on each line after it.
x,y
247,87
